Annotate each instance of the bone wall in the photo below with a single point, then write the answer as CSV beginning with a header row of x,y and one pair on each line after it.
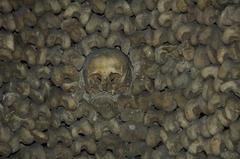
x,y
184,101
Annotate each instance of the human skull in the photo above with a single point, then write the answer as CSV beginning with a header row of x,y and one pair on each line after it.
x,y
107,71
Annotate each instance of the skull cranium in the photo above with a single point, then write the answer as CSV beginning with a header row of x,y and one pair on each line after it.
x,y
107,71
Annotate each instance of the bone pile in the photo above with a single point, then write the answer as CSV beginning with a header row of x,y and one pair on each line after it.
x,y
185,96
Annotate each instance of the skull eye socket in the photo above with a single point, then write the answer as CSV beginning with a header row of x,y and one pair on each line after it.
x,y
99,79
95,78
114,77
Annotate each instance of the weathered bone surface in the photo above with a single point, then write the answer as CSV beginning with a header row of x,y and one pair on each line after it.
x,y
119,79
107,70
